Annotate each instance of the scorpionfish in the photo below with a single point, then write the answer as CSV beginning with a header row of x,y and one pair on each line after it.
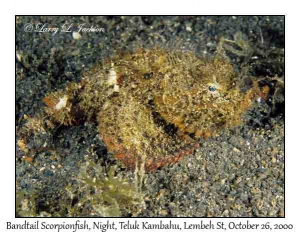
x,y
151,105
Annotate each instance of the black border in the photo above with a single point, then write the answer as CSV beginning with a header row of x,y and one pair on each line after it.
x,y
284,142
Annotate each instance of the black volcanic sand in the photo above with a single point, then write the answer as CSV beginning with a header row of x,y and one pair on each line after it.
x,y
238,173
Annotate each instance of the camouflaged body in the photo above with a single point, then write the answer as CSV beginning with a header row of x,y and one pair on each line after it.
x,y
151,105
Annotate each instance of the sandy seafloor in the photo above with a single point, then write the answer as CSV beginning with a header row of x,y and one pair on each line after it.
x,y
239,173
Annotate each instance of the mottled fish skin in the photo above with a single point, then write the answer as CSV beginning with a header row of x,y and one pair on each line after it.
x,y
150,103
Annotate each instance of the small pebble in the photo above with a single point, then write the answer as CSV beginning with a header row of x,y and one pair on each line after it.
x,y
76,35
189,29
19,56
236,150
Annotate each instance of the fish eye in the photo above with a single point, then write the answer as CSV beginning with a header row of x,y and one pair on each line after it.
x,y
148,75
212,88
